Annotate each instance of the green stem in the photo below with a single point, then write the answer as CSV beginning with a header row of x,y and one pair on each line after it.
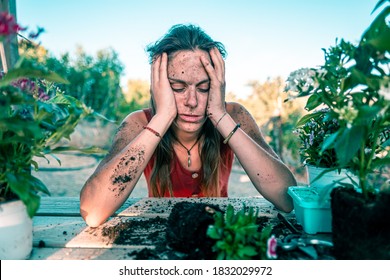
x,y
362,175
365,168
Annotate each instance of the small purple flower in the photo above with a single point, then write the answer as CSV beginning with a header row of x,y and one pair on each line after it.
x,y
311,138
25,85
306,144
42,95
271,247
31,88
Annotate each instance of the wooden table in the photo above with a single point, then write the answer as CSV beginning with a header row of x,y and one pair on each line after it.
x,y
61,233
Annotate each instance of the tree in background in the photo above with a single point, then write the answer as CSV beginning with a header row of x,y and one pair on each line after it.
x,y
93,80
137,95
276,118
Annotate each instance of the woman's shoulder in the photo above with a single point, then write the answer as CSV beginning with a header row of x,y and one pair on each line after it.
x,y
233,107
236,110
140,116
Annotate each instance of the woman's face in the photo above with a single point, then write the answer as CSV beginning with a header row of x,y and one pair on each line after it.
x,y
190,84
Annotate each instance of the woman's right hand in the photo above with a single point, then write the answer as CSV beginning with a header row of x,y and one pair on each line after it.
x,y
161,90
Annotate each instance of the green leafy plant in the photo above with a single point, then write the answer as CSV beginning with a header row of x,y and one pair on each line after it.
x,y
238,236
354,86
35,117
312,130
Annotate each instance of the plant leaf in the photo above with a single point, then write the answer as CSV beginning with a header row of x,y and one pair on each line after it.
x,y
88,150
313,102
17,73
348,144
307,118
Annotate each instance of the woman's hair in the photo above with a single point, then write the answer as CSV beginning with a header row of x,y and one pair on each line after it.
x,y
182,38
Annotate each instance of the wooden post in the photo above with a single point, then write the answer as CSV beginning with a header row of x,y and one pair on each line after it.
x,y
9,48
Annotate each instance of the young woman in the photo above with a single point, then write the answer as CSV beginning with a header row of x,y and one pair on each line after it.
x,y
185,143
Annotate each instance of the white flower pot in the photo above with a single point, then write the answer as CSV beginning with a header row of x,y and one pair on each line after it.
x,y
327,179
15,231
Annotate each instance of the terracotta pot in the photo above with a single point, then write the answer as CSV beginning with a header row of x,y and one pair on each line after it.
x,y
15,231
361,228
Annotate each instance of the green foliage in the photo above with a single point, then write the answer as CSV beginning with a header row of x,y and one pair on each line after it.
x,y
313,129
354,84
35,116
238,236
136,97
93,80
276,119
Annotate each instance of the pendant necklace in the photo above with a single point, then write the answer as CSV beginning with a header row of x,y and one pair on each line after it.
x,y
188,150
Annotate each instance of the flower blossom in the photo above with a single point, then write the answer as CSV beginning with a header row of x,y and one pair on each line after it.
x,y
8,24
311,138
271,247
32,88
302,80
347,113
385,92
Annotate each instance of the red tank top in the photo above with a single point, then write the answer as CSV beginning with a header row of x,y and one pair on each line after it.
x,y
187,183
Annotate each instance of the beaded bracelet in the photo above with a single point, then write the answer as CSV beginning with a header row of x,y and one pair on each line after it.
x,y
231,133
153,131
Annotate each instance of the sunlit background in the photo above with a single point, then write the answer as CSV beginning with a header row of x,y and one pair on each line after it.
x,y
99,46
263,38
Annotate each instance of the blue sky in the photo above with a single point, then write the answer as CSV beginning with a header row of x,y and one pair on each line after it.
x,y
263,38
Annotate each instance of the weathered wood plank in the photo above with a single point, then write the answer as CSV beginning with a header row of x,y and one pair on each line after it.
x,y
147,207
152,207
61,233
82,254
70,206
72,232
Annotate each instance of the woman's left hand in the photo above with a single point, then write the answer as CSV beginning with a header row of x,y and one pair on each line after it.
x,y
216,101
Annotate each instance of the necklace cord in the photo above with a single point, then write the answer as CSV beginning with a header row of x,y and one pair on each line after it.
x,y
188,150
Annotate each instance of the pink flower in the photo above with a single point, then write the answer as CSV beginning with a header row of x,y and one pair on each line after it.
x,y
8,25
32,88
25,85
271,247
42,95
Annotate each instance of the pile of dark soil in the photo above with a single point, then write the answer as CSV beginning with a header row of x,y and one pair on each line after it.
x,y
149,233
187,228
361,227
183,234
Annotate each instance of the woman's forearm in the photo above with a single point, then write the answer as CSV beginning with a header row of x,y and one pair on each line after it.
x,y
115,178
268,174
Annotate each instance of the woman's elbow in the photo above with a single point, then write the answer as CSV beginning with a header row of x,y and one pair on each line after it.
x,y
91,212
91,218
287,204
287,207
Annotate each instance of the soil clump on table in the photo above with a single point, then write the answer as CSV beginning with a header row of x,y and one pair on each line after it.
x,y
183,234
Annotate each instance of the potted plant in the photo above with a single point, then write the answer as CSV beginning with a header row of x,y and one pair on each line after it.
x,y
354,83
322,165
35,116
312,205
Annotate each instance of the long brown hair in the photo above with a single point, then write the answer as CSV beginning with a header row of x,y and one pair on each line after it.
x,y
178,38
